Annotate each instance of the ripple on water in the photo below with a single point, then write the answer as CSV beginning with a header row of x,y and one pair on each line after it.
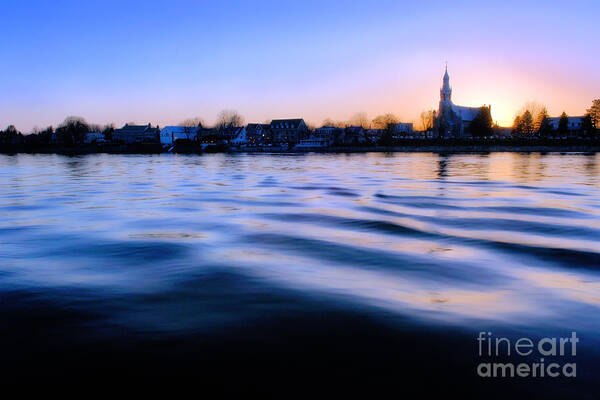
x,y
166,243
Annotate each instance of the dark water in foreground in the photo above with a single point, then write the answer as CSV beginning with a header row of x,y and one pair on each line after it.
x,y
343,273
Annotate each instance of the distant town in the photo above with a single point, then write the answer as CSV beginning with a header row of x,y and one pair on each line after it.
x,y
449,125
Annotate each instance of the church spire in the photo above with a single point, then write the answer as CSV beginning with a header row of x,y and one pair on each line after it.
x,y
446,91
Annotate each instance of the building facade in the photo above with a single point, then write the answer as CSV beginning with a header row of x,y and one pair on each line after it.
x,y
129,134
258,134
288,130
402,129
574,124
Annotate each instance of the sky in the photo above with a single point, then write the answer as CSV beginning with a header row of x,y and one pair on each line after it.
x,y
161,62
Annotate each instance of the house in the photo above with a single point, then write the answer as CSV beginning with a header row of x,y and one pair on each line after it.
x,y
230,132
241,138
354,135
574,124
129,134
170,134
258,133
373,135
288,130
209,136
93,137
330,133
402,129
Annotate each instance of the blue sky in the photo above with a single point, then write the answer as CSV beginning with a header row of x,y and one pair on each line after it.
x,y
162,62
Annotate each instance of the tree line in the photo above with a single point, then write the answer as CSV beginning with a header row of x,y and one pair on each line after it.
x,y
534,121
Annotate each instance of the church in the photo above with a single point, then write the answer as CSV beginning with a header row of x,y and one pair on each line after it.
x,y
453,121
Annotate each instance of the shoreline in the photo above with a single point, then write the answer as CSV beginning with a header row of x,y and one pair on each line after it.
x,y
416,148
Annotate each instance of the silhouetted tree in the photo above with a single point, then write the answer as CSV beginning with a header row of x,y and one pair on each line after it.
x,y
44,137
229,119
108,131
387,137
73,130
587,125
563,125
481,126
10,135
545,129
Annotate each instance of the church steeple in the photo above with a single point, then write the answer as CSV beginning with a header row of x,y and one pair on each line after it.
x,y
446,91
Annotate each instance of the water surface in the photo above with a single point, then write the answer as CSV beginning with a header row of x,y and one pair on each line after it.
x,y
164,246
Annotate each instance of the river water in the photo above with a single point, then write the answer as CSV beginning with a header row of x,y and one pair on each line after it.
x,y
169,261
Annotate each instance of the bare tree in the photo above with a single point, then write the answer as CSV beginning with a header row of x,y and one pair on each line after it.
x,y
190,125
360,119
427,118
382,121
328,122
336,124
193,122
229,118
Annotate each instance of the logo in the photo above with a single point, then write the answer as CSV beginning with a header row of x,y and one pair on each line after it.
x,y
545,357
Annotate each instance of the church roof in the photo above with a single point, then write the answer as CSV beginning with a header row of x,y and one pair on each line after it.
x,y
466,113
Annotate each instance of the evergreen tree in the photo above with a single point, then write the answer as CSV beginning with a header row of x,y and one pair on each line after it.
x,y
527,124
563,125
545,128
587,125
539,120
481,126
10,135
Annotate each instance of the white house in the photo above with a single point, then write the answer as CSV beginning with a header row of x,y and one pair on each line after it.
x,y
241,138
574,124
169,134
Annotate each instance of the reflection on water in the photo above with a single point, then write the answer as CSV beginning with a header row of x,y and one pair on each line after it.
x,y
169,243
